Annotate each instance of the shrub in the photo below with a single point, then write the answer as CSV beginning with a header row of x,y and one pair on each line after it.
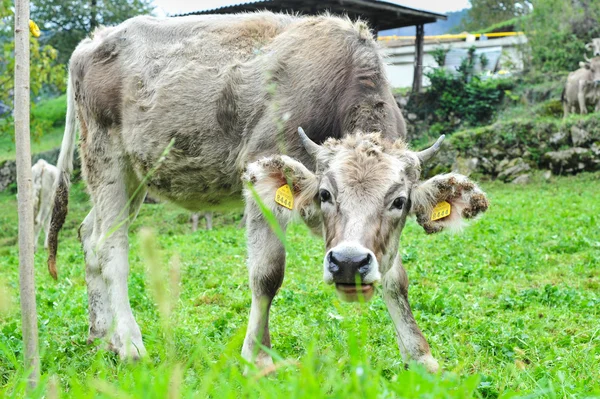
x,y
455,100
51,112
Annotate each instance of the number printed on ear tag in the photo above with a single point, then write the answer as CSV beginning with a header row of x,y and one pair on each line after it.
x,y
284,197
441,211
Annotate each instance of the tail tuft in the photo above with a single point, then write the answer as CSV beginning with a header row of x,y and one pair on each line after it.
x,y
61,186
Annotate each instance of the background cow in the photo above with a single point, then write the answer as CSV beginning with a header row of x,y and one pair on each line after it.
x,y
44,176
186,107
594,47
582,87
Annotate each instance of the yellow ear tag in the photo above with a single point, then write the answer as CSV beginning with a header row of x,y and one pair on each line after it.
x,y
441,210
34,29
284,197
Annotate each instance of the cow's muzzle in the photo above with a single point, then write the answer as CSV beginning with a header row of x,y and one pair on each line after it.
x,y
353,269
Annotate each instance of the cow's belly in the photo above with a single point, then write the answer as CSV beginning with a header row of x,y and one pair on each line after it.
x,y
204,179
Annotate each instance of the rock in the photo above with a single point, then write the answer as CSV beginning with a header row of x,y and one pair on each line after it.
x,y
523,179
570,161
496,152
513,169
514,152
411,117
579,136
502,165
547,175
558,139
486,166
465,166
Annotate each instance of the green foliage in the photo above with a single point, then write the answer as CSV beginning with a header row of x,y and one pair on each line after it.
x,y
558,31
453,100
484,13
439,55
45,72
510,25
77,19
52,111
510,307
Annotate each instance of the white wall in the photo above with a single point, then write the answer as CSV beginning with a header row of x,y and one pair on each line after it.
x,y
400,60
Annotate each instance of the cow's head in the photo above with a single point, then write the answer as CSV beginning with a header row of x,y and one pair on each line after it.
x,y
594,47
593,65
359,197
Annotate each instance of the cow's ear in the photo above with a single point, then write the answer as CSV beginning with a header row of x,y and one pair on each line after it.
x,y
284,185
446,202
585,65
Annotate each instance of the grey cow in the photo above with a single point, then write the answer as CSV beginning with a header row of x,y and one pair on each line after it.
x,y
583,86
228,93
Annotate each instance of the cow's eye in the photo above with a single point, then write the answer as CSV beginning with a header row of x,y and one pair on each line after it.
x,y
324,195
398,203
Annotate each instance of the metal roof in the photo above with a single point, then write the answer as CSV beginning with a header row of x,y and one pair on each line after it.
x,y
380,14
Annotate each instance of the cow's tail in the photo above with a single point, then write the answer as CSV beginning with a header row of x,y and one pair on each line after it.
x,y
563,95
62,183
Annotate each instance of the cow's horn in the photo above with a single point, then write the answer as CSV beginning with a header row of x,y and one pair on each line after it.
x,y
588,47
430,152
310,146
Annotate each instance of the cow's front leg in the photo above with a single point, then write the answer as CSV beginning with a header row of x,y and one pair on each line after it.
x,y
410,339
266,264
581,98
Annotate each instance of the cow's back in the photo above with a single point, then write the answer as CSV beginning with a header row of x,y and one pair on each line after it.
x,y
218,88
144,48
573,83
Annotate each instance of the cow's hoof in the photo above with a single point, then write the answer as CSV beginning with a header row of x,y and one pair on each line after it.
x,y
429,362
264,363
127,343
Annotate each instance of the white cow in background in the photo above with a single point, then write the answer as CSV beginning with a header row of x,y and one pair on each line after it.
x,y
44,175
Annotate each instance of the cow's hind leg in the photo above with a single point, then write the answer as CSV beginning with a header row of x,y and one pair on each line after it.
x,y
411,342
114,215
111,184
266,264
98,302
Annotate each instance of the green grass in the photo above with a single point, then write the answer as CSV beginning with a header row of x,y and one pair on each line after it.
x,y
510,307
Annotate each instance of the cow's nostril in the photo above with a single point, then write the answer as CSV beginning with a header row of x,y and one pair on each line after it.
x,y
365,264
333,263
366,260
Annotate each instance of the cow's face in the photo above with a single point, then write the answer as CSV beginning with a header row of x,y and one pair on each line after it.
x,y
594,66
359,197
363,200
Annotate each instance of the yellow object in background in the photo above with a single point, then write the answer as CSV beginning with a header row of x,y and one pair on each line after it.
x,y
34,29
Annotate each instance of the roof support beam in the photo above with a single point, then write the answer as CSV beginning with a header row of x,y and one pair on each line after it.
x,y
418,73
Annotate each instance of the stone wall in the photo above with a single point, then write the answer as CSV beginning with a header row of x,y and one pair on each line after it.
x,y
510,150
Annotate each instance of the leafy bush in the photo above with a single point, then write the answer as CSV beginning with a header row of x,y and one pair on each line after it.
x,y
454,100
51,112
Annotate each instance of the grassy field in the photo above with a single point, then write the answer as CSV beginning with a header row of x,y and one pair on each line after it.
x,y
510,307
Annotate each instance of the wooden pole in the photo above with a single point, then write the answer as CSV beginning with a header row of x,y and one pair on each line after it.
x,y
24,183
418,73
